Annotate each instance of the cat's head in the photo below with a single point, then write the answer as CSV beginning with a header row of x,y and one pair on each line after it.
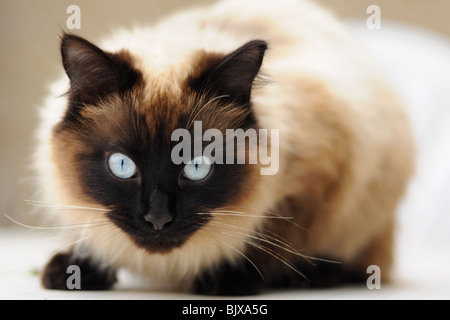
x,y
113,148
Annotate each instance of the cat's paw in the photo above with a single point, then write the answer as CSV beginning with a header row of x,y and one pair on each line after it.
x,y
241,280
56,274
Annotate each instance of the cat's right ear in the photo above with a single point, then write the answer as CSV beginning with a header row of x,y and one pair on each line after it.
x,y
95,73
230,75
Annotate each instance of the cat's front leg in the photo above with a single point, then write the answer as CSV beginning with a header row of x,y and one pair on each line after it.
x,y
57,272
230,280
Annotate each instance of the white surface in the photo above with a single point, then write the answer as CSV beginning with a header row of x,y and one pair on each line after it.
x,y
418,65
24,251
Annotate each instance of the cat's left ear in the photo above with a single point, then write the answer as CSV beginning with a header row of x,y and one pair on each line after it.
x,y
231,75
94,73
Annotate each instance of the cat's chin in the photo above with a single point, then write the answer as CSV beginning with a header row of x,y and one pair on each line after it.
x,y
158,244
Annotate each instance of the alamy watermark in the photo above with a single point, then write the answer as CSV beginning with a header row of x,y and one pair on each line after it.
x,y
234,146
373,22
73,282
374,280
74,20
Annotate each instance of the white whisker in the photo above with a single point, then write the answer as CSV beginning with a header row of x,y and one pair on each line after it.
x,y
73,226
69,244
272,213
235,249
277,256
247,258
219,213
63,206
81,239
270,252
261,238
119,252
192,120
281,242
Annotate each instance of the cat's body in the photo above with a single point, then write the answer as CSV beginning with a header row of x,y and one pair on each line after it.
x,y
345,151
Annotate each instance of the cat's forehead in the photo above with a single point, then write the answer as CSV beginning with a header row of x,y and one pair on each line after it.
x,y
167,99
165,90
163,101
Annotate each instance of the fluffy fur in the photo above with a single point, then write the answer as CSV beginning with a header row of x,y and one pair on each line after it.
x,y
345,152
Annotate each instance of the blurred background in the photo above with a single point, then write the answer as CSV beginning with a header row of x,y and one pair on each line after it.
x,y
412,48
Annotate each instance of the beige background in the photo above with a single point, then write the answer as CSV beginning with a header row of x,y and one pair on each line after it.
x,y
29,61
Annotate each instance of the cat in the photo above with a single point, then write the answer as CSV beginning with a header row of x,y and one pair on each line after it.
x,y
345,154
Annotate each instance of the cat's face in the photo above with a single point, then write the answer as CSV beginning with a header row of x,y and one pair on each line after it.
x,y
115,148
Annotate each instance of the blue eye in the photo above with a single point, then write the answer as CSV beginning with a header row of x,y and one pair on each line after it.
x,y
121,166
198,168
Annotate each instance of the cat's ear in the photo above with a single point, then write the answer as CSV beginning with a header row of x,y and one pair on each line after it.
x,y
94,73
233,74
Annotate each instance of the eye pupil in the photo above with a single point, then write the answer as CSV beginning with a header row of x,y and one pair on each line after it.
x,y
198,168
121,166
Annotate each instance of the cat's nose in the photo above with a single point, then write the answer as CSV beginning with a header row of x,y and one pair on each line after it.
x,y
159,222
159,214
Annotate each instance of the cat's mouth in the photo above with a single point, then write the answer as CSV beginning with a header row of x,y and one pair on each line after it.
x,y
160,241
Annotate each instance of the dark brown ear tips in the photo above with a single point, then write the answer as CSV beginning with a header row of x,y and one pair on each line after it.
x,y
91,71
233,75
95,73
